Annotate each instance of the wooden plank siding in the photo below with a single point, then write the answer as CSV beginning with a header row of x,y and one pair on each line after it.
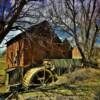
x,y
13,51
34,54
44,50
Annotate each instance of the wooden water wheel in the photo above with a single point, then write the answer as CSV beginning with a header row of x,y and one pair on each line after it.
x,y
38,77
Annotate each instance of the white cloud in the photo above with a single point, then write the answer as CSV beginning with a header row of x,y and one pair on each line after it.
x,y
12,2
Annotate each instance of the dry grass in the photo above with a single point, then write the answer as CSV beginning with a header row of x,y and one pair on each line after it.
x,y
85,75
86,79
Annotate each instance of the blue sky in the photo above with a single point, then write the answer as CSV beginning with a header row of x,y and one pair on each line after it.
x,y
62,34
6,5
59,32
98,40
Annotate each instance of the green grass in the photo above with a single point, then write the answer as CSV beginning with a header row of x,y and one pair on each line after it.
x,y
4,89
3,65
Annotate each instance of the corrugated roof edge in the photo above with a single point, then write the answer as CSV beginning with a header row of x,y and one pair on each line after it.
x,y
19,36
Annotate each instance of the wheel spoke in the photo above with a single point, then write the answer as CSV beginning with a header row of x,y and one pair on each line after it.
x,y
44,76
48,78
38,78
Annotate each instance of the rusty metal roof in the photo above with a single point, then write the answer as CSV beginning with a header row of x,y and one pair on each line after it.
x,y
41,29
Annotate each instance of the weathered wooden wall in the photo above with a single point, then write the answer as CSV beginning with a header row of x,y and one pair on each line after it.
x,y
41,49
38,43
15,54
34,52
